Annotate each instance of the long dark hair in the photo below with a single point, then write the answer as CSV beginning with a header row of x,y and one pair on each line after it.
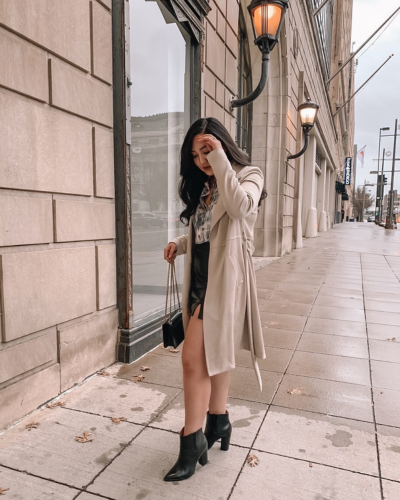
x,y
192,178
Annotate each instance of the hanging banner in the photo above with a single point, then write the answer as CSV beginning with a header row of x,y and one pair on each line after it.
x,y
348,166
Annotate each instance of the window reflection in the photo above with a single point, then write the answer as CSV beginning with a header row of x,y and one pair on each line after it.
x,y
160,103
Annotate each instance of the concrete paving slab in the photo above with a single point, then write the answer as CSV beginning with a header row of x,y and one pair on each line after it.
x,y
385,350
22,486
336,327
382,297
284,339
328,367
284,321
389,451
391,490
342,302
342,285
284,307
51,451
244,385
297,298
341,313
283,478
338,292
387,406
263,294
387,288
302,277
383,332
88,496
333,344
245,417
343,443
338,399
277,360
385,375
165,370
267,285
297,288
115,397
381,306
138,472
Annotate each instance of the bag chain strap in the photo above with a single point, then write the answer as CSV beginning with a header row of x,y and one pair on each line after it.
x,y
172,290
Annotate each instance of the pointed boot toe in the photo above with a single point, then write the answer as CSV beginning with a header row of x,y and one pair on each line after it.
x,y
193,449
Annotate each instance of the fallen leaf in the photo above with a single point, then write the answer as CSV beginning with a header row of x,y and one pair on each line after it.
x,y
85,438
32,425
173,350
295,392
138,378
104,374
2,490
273,323
310,464
117,420
393,339
145,368
253,460
55,404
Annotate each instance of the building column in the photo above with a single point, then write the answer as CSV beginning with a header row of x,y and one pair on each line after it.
x,y
310,220
328,197
321,206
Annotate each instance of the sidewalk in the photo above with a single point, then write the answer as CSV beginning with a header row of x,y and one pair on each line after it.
x,y
331,317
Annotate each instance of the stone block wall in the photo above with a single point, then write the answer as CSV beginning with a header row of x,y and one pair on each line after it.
x,y
58,317
220,62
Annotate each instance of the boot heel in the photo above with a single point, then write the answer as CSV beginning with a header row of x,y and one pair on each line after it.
x,y
203,460
225,443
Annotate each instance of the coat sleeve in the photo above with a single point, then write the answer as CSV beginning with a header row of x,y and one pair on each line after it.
x,y
181,242
239,199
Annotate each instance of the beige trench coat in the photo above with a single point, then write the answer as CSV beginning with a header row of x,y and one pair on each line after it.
x,y
231,318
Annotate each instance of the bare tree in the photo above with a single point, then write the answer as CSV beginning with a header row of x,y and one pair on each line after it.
x,y
357,201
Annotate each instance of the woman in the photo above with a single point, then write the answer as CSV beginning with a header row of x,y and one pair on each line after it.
x,y
219,299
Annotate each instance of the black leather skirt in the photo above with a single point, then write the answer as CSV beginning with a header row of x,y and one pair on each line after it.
x,y
199,277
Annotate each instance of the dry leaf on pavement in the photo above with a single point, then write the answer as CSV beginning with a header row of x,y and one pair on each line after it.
x,y
138,378
32,425
253,460
2,490
145,368
173,350
55,404
310,464
117,420
85,438
392,339
273,323
295,392
104,374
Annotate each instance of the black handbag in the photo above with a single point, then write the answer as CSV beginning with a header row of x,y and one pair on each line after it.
x,y
173,334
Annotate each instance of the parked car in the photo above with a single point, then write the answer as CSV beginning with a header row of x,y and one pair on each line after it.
x,y
371,219
147,219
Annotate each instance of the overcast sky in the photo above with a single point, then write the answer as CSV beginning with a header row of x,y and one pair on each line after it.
x,y
377,104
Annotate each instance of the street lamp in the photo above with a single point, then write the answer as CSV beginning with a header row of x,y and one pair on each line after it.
x,y
267,19
379,188
308,112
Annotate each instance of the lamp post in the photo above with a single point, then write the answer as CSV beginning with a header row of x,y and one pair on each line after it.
x,y
389,220
308,112
267,19
377,215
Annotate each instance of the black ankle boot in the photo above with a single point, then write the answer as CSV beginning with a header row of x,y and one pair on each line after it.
x,y
218,426
193,449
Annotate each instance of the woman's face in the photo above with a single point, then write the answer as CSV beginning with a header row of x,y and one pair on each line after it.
x,y
199,153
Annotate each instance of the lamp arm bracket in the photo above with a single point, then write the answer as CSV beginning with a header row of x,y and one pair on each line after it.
x,y
306,143
235,103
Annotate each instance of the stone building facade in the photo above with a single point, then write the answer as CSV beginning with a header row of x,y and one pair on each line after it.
x,y
96,96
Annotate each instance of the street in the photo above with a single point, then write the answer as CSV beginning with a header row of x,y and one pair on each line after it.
x,y
326,426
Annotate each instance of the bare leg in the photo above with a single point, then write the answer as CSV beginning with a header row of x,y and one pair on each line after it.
x,y
219,393
196,381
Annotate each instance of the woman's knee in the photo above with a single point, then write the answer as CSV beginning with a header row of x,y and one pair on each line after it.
x,y
192,364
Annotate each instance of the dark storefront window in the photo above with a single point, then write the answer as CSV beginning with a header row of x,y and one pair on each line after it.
x,y
160,115
245,87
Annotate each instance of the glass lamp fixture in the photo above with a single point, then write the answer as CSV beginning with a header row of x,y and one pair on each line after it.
x,y
308,112
266,19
